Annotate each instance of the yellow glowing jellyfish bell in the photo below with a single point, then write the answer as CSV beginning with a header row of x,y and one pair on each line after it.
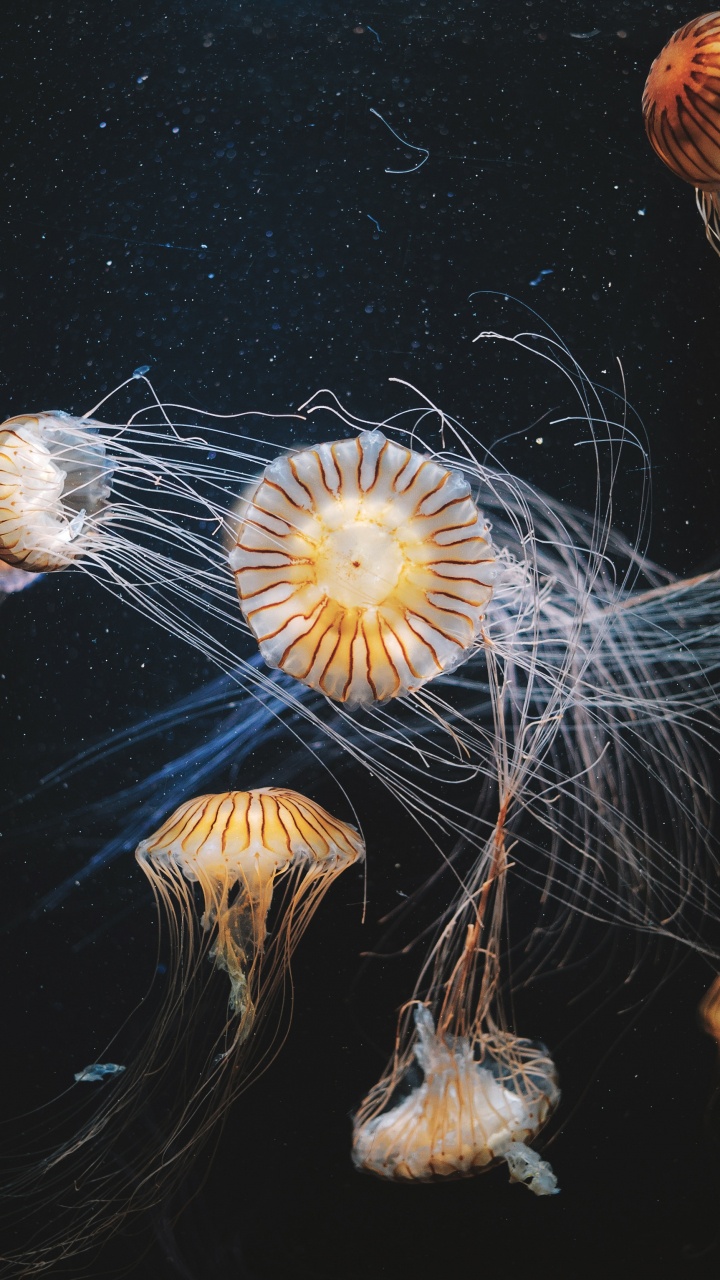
x,y
681,109
236,846
54,474
468,1111
363,568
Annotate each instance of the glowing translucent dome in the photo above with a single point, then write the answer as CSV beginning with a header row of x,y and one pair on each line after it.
x,y
464,1114
53,474
363,568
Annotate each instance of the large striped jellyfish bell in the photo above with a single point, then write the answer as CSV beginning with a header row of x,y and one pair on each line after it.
x,y
681,108
363,567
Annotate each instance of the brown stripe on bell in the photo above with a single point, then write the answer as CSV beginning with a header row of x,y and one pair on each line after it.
x,y
681,109
363,568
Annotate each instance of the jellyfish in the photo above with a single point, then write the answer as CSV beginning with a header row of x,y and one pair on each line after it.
x,y
129,505
462,1091
54,477
250,855
75,492
681,109
363,568
465,1103
235,847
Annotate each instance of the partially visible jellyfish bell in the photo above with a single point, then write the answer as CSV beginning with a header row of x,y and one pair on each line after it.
x,y
236,846
54,474
681,109
363,568
709,1011
459,1108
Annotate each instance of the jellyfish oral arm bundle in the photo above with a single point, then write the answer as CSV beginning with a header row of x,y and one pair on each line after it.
x,y
526,1166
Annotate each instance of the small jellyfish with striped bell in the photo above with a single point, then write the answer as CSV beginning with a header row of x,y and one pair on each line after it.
x,y
236,847
218,867
681,109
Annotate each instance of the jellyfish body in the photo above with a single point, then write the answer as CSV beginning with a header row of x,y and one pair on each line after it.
x,y
681,109
363,568
54,473
474,1104
462,1091
236,846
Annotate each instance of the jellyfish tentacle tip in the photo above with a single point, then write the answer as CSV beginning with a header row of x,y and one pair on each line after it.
x,y
527,1167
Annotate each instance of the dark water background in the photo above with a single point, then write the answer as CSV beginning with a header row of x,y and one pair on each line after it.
x,y
203,189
